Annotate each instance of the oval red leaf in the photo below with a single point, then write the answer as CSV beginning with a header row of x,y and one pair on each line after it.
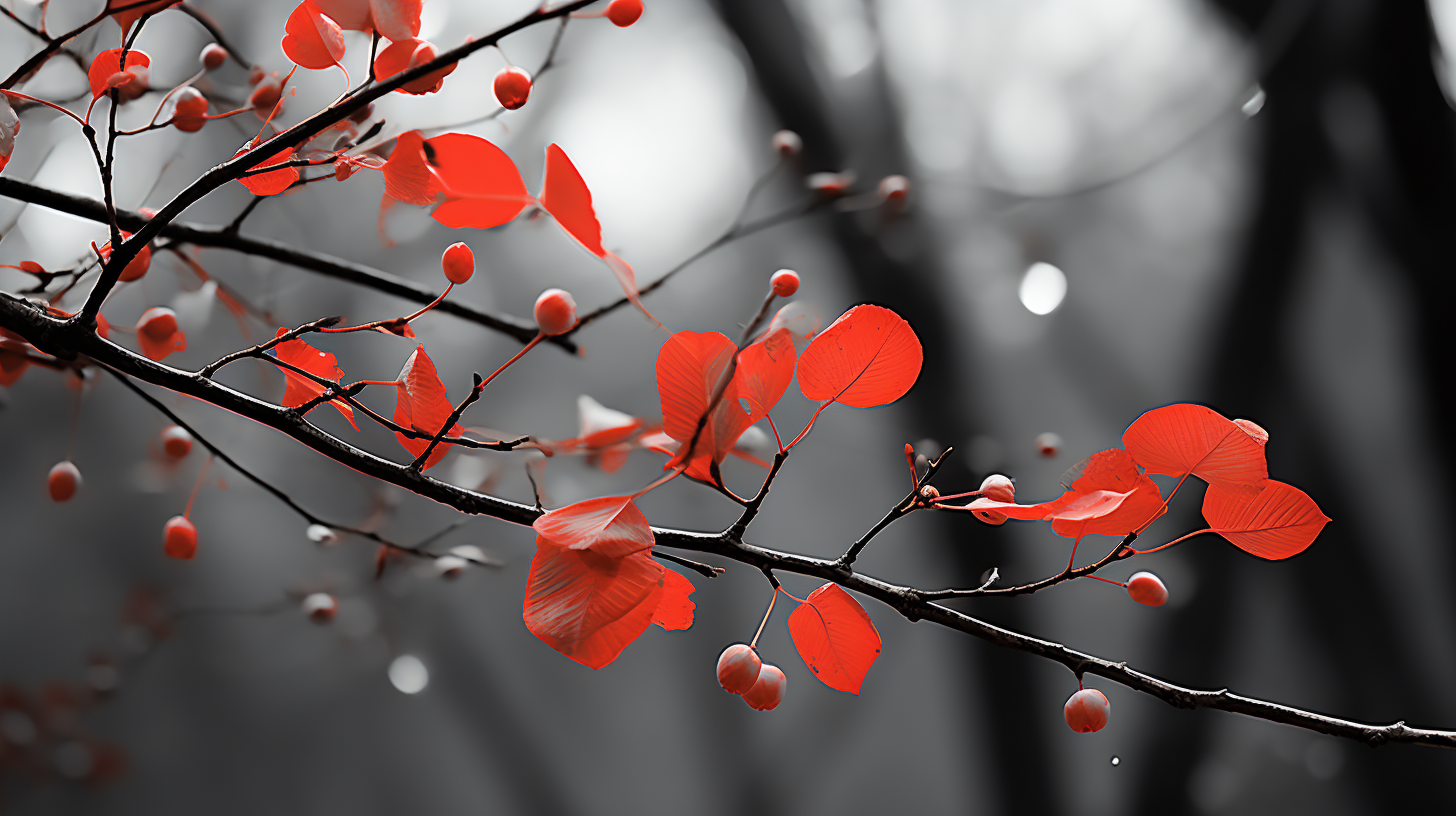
x,y
1276,522
312,39
869,356
587,606
301,389
272,182
835,637
482,186
564,194
675,612
421,405
1180,439
611,526
107,64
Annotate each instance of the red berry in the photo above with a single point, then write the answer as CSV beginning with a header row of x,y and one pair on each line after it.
x,y
624,12
1259,434
1147,589
738,668
190,113
512,87
255,75
137,78
998,488
768,690
138,266
830,185
320,607
894,188
458,262
785,282
265,96
788,143
1086,711
213,56
158,323
179,538
929,493
176,441
64,480
1048,444
555,311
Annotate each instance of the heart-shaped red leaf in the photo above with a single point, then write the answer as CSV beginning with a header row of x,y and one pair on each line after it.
x,y
421,405
610,525
869,356
312,39
675,612
301,389
1277,521
587,606
835,637
107,64
1180,439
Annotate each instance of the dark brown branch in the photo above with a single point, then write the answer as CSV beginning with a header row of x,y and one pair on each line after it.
x,y
1121,551
907,505
48,50
702,569
450,421
322,323
52,336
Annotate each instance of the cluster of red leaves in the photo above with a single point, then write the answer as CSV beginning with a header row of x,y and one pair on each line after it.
x,y
1264,517
314,35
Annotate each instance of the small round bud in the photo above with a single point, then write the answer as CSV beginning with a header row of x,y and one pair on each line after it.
x,y
512,87
768,690
265,95
1147,589
929,493
1086,711
138,77
1048,444
256,74
213,56
894,189
158,323
179,538
458,262
738,668
190,113
63,481
1253,430
785,282
998,488
555,312
831,185
176,441
450,566
788,143
320,607
623,13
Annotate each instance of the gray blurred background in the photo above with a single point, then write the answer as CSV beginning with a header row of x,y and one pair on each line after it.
x,y
1246,203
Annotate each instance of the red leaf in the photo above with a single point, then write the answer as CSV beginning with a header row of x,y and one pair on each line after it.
x,y
108,63
407,176
401,55
270,183
127,12
835,637
1276,522
1180,439
587,606
301,389
869,356
611,526
481,184
395,19
421,405
688,369
312,38
1070,507
1115,471
675,612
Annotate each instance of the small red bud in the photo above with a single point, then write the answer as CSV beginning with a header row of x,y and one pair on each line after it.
x,y
785,282
1147,589
788,143
256,75
894,188
998,488
738,668
265,96
190,113
929,493
1086,711
768,690
512,87
213,56
458,262
179,538
158,323
623,13
176,441
63,482
555,312
1048,444
320,607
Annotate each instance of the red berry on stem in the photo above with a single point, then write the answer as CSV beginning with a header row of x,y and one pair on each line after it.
x,y
788,143
256,75
179,538
768,690
265,96
1048,444
785,282
512,87
894,188
997,487
63,482
1086,711
190,113
624,12
158,323
320,607
176,441
1147,589
555,312
458,262
738,668
213,56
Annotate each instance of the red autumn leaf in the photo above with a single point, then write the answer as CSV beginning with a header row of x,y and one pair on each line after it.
x,y
675,612
127,12
1070,507
394,19
407,176
421,405
482,186
587,606
107,64
273,182
312,38
611,526
405,54
1114,471
688,369
301,389
869,356
1180,439
835,637
1276,522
